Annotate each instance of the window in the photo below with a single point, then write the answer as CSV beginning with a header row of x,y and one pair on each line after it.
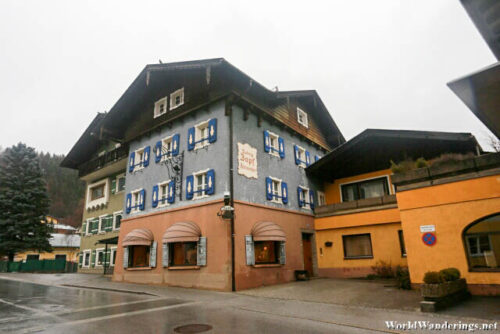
x,y
105,223
266,252
163,193
113,256
160,107
302,117
99,257
93,226
357,246
321,198
202,135
276,190
304,197
166,148
139,159
117,220
138,256
31,257
302,157
97,192
273,144
136,201
60,257
120,183
402,243
177,98
482,240
86,258
365,189
200,185
183,253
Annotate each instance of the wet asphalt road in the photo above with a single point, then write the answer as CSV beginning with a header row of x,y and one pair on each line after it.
x,y
33,308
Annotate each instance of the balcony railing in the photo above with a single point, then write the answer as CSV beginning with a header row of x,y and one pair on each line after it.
x,y
337,208
104,160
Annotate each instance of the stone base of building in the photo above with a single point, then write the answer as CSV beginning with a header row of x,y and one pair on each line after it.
x,y
345,272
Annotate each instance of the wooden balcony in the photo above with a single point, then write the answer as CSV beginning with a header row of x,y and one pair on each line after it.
x,y
368,204
102,161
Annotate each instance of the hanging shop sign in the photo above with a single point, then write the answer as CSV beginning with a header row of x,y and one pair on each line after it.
x,y
429,239
247,161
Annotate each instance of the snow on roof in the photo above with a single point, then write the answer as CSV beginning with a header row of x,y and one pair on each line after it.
x,y
63,227
64,240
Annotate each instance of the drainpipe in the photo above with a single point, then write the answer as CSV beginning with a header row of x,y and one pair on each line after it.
x,y
231,192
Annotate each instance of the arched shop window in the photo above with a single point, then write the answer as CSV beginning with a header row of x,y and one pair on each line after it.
x,y
265,244
139,249
183,245
482,242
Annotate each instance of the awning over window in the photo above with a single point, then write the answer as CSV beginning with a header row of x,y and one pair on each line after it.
x,y
140,236
182,232
262,231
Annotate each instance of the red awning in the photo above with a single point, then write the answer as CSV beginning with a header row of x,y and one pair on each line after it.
x,y
182,232
140,236
263,231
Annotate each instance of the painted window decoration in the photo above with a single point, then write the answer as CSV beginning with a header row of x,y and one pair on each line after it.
x,y
163,194
357,246
135,201
202,134
166,148
305,197
402,245
139,159
321,198
482,240
160,107
276,190
200,184
302,117
302,156
365,189
117,220
177,98
97,194
274,144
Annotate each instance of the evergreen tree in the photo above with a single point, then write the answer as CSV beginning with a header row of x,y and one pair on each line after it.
x,y
24,202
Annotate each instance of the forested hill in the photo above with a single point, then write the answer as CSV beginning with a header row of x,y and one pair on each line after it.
x,y
66,190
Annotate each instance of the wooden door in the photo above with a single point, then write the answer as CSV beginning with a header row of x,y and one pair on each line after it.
x,y
307,252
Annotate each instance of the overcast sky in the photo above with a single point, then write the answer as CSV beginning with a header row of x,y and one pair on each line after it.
x,y
375,64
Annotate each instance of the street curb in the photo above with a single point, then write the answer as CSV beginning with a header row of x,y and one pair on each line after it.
x,y
109,289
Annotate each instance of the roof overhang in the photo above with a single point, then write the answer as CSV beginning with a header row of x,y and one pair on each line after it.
x,y
480,93
374,149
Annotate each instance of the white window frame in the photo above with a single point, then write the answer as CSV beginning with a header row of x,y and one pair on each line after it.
x,y
390,185
97,251
174,95
90,204
305,120
87,251
275,199
157,112
160,194
89,231
139,164
88,220
306,197
274,149
117,185
197,195
164,142
116,213
321,198
99,229
476,240
197,135
112,255
302,156
135,208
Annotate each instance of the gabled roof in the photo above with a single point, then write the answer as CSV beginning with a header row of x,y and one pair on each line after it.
x,y
373,150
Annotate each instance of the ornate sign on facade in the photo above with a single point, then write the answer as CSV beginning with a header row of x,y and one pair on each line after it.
x,y
247,161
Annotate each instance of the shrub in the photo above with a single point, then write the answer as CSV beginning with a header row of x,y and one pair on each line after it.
x,y
450,158
408,164
421,163
450,274
383,269
433,277
403,278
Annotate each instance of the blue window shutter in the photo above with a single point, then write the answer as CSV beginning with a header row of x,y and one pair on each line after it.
x,y
212,130
147,153
284,192
131,162
175,144
296,154
269,189
281,143
142,199
158,151
171,192
191,139
267,144
299,196
154,202
128,204
308,158
316,158
311,199
189,186
210,182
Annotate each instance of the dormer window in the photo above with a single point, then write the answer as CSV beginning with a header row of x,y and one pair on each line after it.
x,y
160,107
302,117
177,98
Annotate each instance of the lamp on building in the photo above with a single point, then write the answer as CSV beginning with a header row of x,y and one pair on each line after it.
x,y
227,211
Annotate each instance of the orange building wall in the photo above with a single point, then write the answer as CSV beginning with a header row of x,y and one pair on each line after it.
x,y
451,208
332,190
